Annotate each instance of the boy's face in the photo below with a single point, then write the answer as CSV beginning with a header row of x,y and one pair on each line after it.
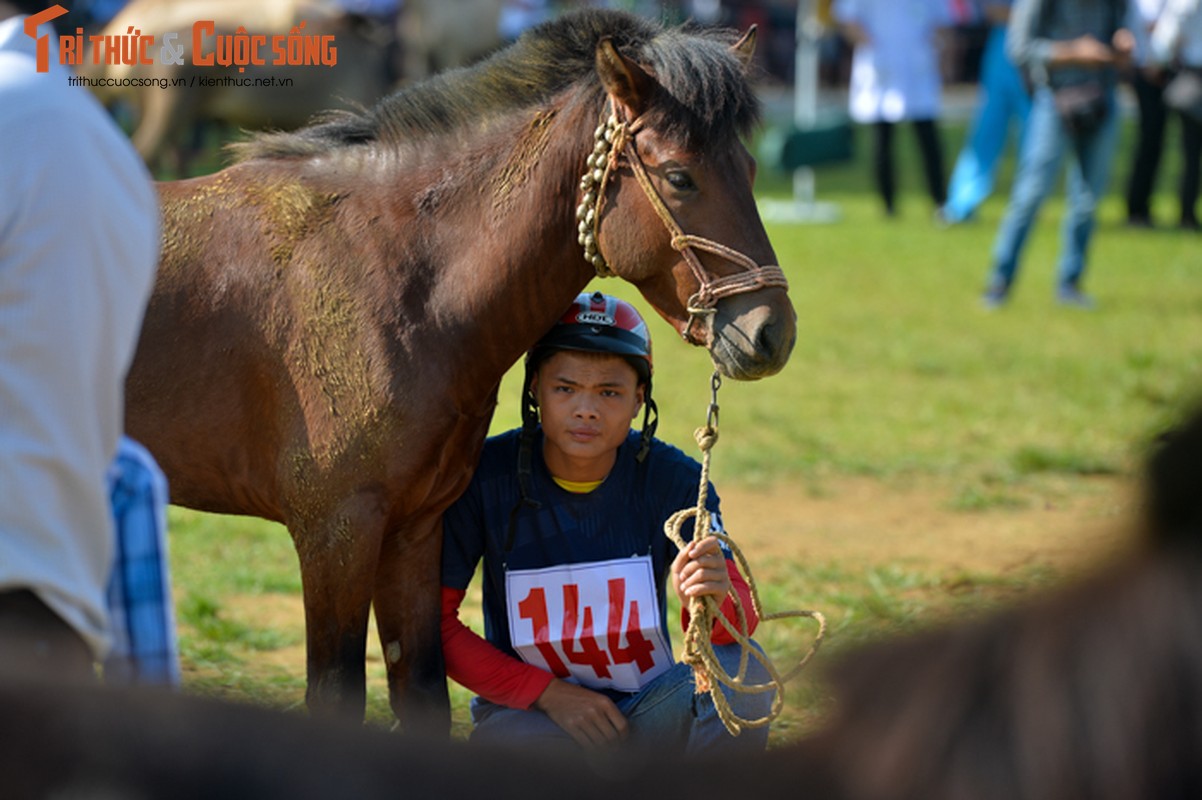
x,y
586,403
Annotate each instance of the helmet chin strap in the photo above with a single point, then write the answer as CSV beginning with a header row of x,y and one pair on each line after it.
x,y
527,438
650,423
613,141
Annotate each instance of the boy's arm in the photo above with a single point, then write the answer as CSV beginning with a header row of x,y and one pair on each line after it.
x,y
721,635
480,666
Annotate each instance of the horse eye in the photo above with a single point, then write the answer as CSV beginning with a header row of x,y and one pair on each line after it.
x,y
681,181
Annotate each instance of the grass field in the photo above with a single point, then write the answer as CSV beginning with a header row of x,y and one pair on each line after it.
x,y
898,377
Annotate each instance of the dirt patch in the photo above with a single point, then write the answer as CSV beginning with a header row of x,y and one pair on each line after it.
x,y
869,522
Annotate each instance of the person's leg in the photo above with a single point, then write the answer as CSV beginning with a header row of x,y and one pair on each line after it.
x,y
1038,166
661,714
1191,149
497,725
1146,158
35,643
883,164
669,714
931,149
1089,174
708,733
1014,88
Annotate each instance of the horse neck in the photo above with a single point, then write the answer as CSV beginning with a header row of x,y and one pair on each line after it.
x,y
515,261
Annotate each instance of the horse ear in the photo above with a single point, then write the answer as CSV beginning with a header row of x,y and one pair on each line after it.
x,y
627,82
744,49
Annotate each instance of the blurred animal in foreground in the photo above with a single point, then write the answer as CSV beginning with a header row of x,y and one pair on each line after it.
x,y
1092,691
170,113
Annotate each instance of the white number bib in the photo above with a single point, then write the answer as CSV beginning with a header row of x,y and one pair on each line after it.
x,y
596,624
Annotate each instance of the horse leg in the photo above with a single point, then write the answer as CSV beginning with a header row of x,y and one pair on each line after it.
x,y
408,615
338,555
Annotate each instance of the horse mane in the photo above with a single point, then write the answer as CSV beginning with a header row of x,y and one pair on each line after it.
x,y
708,94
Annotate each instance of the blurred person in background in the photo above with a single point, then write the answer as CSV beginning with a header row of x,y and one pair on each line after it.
x,y
1168,36
1147,82
1069,51
895,78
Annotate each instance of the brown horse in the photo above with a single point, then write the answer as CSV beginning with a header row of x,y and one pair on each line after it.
x,y
334,312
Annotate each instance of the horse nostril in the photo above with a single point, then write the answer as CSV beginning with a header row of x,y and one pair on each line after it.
x,y
775,342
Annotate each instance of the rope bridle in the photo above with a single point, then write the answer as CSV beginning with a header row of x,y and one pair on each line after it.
x,y
613,140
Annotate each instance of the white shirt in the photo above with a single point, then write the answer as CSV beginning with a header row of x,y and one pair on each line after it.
x,y
78,248
1141,17
1178,33
895,76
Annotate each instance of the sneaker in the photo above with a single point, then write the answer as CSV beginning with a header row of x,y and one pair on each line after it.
x,y
995,297
1072,297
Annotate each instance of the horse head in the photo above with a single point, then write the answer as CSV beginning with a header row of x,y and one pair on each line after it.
x,y
667,199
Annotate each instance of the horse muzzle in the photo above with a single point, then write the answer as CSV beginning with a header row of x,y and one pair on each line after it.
x,y
749,338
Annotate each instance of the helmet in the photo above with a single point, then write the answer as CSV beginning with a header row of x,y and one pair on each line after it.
x,y
594,323
598,323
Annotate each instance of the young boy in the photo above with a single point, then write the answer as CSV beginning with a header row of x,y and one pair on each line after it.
x,y
567,513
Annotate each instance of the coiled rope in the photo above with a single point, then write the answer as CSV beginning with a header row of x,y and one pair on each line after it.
x,y
705,611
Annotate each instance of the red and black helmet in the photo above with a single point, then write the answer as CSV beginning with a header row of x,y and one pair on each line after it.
x,y
599,323
594,323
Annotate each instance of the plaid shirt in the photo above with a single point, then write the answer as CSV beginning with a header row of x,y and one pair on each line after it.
x,y
1035,25
139,592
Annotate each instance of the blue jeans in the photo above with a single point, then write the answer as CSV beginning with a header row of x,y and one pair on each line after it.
x,y
1004,99
1044,144
666,714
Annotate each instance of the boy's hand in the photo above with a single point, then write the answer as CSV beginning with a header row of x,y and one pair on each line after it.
x,y
700,570
589,717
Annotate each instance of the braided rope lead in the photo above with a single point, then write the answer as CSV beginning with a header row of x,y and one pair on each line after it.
x,y
705,611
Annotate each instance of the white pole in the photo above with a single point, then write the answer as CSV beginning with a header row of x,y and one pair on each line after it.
x,y
805,67
803,208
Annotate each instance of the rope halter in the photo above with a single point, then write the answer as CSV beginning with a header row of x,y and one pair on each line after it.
x,y
613,140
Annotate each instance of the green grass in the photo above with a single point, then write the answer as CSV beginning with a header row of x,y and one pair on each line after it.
x,y
898,374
